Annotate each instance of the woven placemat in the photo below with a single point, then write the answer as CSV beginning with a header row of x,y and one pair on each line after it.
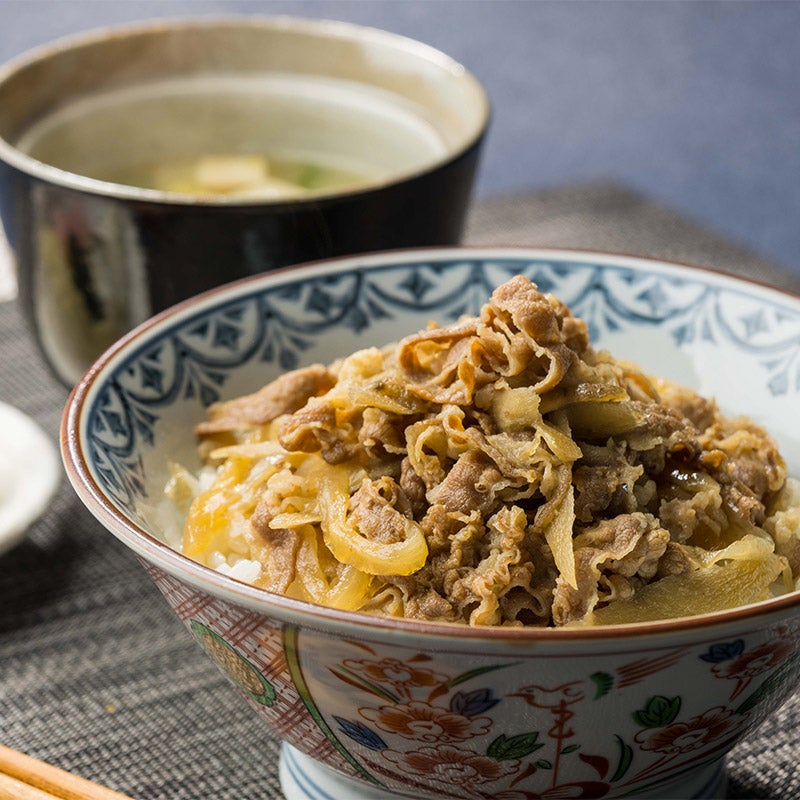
x,y
99,677
614,219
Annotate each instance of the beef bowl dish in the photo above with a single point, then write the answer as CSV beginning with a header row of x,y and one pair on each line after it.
x,y
469,523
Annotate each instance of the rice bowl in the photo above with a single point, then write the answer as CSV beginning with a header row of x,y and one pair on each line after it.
x,y
371,703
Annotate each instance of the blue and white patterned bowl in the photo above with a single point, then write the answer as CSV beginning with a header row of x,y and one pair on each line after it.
x,y
374,708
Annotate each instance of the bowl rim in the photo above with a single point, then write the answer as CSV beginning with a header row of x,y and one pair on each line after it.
x,y
272,22
217,584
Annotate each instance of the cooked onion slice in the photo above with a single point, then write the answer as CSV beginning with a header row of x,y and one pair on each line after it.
x,y
738,575
350,547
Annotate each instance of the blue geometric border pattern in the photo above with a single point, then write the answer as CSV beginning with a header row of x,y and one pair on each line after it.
x,y
276,325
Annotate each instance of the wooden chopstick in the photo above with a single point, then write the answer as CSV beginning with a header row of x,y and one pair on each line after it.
x,y
12,789
23,777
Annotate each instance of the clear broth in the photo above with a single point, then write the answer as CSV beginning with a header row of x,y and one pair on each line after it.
x,y
283,176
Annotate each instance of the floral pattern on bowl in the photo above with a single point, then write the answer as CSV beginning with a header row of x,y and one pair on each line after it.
x,y
402,718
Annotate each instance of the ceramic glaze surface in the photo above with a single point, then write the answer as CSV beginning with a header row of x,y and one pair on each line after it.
x,y
400,710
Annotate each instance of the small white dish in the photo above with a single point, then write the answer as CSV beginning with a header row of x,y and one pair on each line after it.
x,y
30,472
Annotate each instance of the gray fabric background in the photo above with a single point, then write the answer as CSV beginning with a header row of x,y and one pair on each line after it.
x,y
98,677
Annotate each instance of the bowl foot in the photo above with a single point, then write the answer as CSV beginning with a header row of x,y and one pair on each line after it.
x,y
303,778
709,782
